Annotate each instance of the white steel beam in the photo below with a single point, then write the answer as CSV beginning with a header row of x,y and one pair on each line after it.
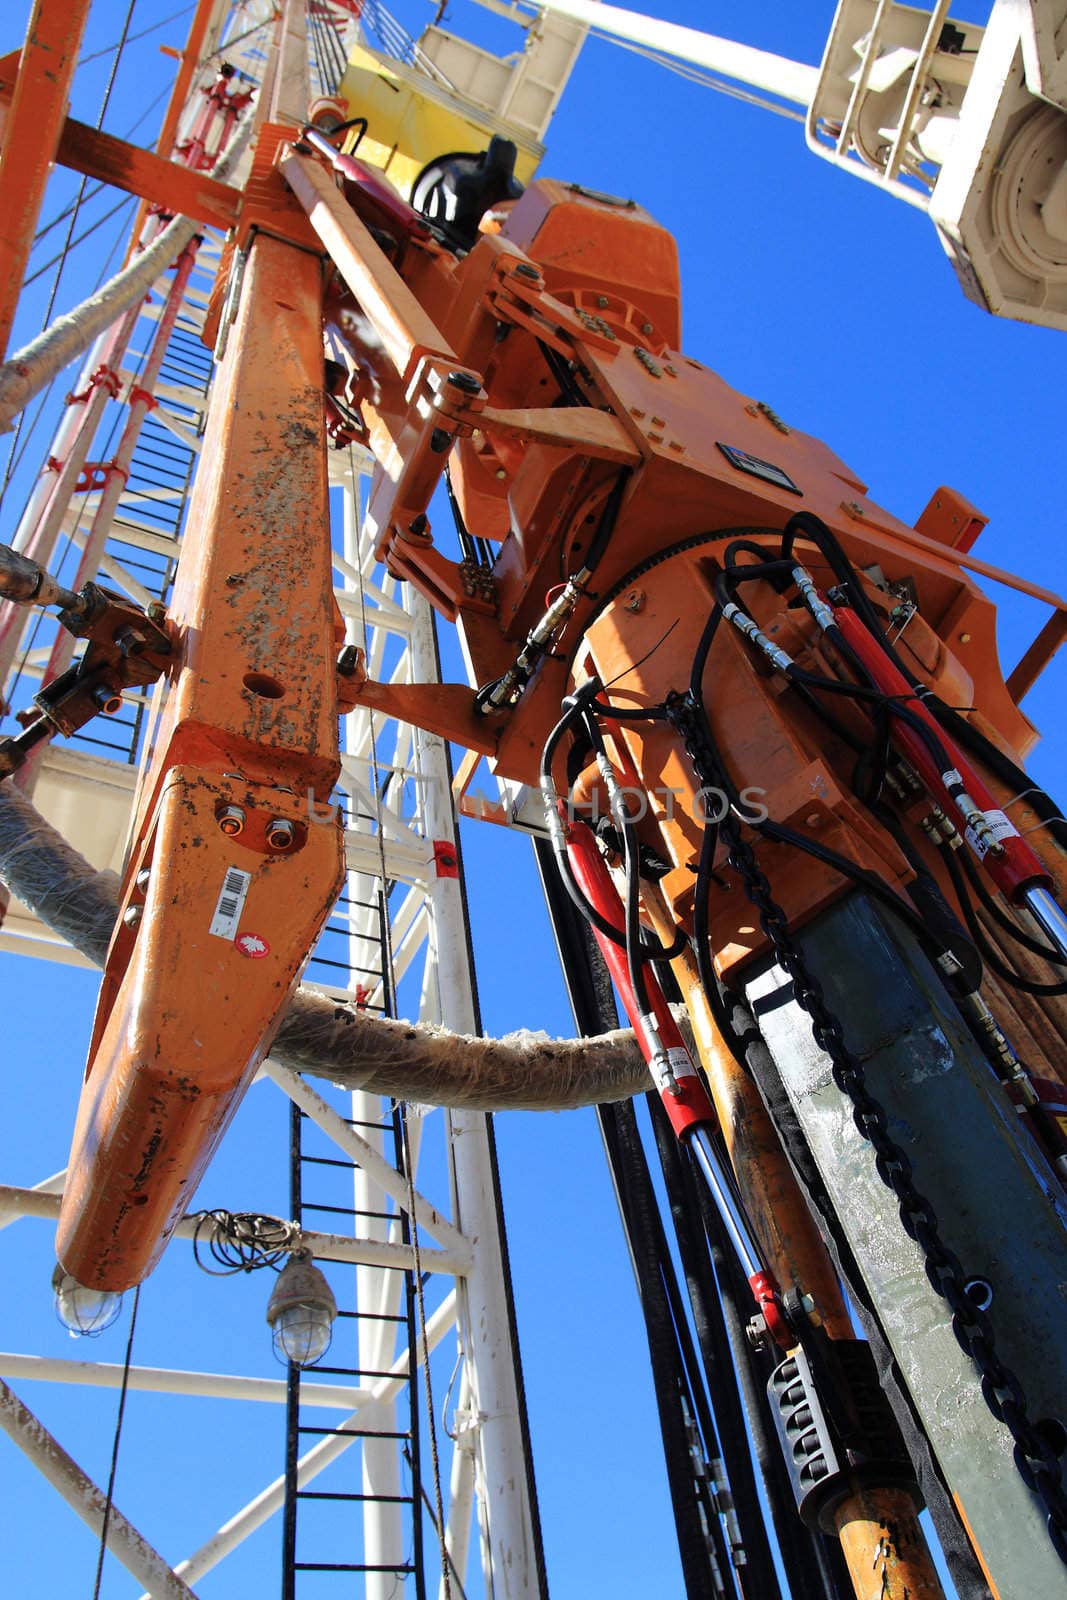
x,y
509,1539
454,1260
358,1150
83,1496
169,1380
791,80
52,1185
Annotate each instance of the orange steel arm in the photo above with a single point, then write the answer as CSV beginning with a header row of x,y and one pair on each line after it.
x,y
237,857
168,184
32,130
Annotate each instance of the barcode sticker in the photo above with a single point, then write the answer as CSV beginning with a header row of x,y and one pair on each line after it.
x,y
680,1066
681,1062
230,903
1000,827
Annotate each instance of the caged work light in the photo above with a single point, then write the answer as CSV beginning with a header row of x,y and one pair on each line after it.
x,y
301,1312
83,1312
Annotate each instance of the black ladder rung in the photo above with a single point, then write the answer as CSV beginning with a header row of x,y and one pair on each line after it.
x,y
373,1316
348,1566
348,1211
360,1372
335,1494
352,1433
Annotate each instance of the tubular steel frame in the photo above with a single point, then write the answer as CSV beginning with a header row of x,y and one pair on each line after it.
x,y
390,841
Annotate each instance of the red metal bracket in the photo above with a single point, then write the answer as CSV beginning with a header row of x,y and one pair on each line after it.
x,y
147,399
104,375
94,475
445,858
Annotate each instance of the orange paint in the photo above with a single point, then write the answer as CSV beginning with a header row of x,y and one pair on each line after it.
x,y
244,760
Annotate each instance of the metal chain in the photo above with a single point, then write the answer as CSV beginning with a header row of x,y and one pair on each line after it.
x,y
1036,1461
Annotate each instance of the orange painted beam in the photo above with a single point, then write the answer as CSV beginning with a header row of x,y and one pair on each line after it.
x,y
178,189
237,857
31,137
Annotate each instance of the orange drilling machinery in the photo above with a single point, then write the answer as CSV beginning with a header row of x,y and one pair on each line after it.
x,y
782,783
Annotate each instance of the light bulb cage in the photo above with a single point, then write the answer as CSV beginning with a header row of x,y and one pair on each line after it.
x,y
301,1288
85,1313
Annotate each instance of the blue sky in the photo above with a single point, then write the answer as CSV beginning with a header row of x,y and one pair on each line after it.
x,y
833,303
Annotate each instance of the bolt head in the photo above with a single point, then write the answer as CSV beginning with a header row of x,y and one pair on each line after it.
x,y
231,821
132,915
281,835
756,1333
646,328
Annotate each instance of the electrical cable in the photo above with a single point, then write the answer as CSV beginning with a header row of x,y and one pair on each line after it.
x,y
242,1241
109,1497
133,37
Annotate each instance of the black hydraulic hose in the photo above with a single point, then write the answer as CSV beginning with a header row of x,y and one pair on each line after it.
x,y
705,1385
606,524
466,543
990,906
709,980
632,860
592,1000
557,365
781,834
990,955
965,733
874,885
574,712
796,1547
628,713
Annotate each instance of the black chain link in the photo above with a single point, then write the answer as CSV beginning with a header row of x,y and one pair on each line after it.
x,y
1036,1461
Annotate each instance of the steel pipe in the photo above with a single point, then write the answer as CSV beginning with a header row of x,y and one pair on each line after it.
x,y
1049,916
791,80
168,1380
82,1495
324,1246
